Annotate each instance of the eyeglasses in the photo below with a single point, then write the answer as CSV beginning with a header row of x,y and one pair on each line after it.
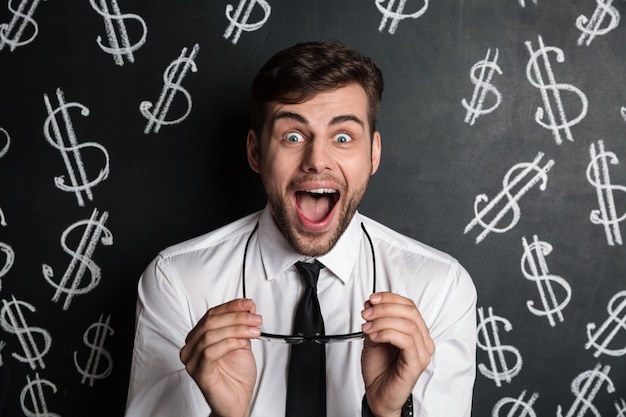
x,y
319,339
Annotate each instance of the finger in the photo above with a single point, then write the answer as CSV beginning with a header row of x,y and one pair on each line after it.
x,y
383,306
233,306
401,333
389,297
204,359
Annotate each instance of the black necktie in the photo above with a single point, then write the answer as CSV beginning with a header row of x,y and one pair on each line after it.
x,y
306,383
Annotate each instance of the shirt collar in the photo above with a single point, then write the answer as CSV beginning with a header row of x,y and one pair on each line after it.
x,y
277,255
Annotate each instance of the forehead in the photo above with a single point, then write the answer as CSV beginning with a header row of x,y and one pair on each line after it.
x,y
324,106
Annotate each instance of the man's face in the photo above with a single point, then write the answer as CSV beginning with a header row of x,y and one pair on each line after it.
x,y
315,159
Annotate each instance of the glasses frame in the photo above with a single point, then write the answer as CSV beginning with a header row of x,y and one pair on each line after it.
x,y
297,339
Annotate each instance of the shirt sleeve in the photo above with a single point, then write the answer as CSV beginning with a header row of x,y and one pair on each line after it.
x,y
446,386
159,384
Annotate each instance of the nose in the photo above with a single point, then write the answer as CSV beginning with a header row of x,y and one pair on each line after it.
x,y
317,156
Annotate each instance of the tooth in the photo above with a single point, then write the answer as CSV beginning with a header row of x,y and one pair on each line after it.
x,y
322,191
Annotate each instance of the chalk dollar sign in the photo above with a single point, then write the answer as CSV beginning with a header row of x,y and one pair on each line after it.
x,y
555,112
54,136
35,341
396,15
482,81
9,258
511,194
239,22
33,393
172,77
535,268
613,326
94,232
518,407
11,33
99,332
598,176
591,28
499,368
585,387
121,47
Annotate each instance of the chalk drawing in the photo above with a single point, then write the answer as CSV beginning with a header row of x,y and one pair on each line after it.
x,y
11,33
537,174
591,28
117,33
488,339
535,268
33,393
393,16
482,82
94,232
553,107
94,338
79,183
12,320
175,70
614,328
519,407
585,387
598,176
239,23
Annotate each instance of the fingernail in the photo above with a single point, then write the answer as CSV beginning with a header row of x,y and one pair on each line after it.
x,y
255,318
376,297
254,331
366,326
367,312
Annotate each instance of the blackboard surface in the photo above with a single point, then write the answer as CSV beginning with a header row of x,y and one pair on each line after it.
x,y
122,131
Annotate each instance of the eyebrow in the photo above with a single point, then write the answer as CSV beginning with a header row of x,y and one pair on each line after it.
x,y
334,121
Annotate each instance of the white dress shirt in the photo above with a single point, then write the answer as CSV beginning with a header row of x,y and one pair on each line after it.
x,y
187,279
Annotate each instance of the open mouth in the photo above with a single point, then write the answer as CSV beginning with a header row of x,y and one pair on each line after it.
x,y
316,204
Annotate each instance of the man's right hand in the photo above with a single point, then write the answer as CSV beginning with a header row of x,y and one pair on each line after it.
x,y
218,356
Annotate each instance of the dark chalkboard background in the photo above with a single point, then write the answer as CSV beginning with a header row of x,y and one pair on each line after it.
x,y
192,176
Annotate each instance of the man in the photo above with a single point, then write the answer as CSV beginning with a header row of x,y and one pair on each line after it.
x,y
211,311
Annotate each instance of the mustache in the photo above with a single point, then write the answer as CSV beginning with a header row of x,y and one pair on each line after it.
x,y
318,178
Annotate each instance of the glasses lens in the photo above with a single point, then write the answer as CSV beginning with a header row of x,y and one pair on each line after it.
x,y
295,340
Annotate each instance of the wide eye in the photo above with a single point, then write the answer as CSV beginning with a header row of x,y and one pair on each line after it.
x,y
342,138
294,137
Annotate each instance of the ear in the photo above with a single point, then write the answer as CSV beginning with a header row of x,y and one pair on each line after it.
x,y
376,150
252,147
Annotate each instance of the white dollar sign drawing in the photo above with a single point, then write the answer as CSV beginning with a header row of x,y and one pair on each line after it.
x,y
97,353
611,332
535,76
591,28
11,33
33,391
499,369
94,231
239,23
396,15
586,393
535,268
512,197
519,406
598,176
172,77
12,320
118,48
54,136
483,85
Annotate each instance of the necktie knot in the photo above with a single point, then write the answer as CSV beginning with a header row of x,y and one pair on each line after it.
x,y
309,271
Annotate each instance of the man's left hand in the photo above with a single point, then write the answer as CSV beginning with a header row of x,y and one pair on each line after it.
x,y
397,349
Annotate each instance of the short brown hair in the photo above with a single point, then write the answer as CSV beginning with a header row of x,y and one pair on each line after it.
x,y
297,73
